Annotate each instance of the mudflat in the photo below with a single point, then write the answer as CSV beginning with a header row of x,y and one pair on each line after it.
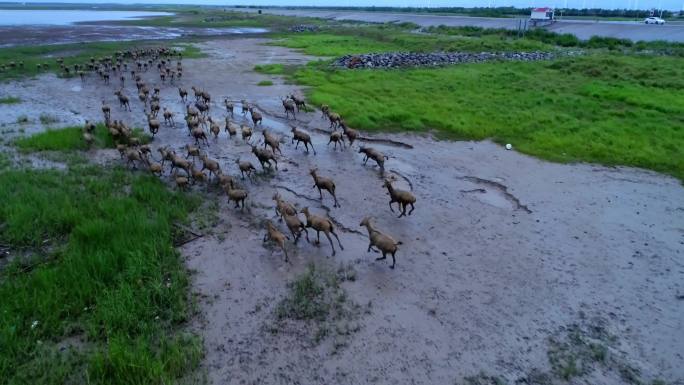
x,y
503,257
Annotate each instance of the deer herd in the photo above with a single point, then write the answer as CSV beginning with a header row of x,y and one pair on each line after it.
x,y
265,146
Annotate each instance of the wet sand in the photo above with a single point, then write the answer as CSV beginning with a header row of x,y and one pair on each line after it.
x,y
502,252
37,35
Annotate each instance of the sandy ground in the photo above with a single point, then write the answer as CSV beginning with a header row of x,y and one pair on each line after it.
x,y
502,252
584,29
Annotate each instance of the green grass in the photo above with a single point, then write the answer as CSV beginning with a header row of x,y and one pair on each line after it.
x,y
270,69
388,38
79,53
71,138
338,41
265,83
306,299
95,261
610,109
10,100
317,299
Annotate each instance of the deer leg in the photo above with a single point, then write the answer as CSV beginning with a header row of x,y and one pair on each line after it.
x,y
402,207
384,255
394,261
338,239
390,205
331,242
412,208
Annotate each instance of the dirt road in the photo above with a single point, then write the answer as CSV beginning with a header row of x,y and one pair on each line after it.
x,y
502,253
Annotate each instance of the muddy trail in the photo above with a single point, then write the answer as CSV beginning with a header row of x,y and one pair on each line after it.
x,y
502,253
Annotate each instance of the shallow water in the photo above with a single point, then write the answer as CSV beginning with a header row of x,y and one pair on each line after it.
x,y
67,17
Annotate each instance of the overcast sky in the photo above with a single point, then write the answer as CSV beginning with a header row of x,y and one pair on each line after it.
x,y
629,4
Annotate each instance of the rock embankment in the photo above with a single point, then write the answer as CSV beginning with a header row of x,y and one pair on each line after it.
x,y
410,59
304,28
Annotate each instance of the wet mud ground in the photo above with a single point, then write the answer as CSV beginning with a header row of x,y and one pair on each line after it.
x,y
502,252
11,36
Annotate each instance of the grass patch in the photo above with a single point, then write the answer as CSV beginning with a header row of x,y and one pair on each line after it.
x,y
71,138
5,161
611,109
316,298
306,299
98,264
339,41
482,378
270,69
265,83
10,100
46,119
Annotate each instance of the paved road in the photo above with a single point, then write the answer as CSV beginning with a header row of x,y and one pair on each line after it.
x,y
584,29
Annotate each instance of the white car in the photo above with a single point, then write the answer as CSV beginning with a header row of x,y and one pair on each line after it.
x,y
654,20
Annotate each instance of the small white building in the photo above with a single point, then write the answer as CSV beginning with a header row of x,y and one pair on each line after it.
x,y
542,14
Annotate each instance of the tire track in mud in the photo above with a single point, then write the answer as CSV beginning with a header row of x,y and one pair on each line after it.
x,y
501,188
385,141
404,177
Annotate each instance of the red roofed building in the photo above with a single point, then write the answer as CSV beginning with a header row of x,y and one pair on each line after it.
x,y
542,14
